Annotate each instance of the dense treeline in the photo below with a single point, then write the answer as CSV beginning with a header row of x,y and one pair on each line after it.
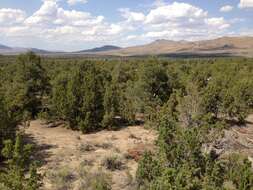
x,y
187,101
21,91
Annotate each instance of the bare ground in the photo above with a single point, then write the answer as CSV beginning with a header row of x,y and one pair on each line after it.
x,y
239,139
59,148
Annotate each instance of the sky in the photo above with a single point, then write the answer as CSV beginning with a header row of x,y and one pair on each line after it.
x,y
71,25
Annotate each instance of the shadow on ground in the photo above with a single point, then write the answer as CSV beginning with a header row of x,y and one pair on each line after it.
x,y
41,153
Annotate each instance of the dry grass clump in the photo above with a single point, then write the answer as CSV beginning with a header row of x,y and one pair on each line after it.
x,y
105,145
132,136
61,179
87,162
86,147
95,180
113,163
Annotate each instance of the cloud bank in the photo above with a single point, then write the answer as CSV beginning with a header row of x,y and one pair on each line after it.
x,y
60,27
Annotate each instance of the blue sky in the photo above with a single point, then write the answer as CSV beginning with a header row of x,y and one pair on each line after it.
x,y
80,24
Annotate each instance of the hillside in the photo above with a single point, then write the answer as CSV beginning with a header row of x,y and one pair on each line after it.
x,y
232,46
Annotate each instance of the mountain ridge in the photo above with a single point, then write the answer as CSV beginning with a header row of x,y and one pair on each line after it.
x,y
229,46
100,49
234,46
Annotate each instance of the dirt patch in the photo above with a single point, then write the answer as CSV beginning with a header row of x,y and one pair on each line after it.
x,y
59,147
238,139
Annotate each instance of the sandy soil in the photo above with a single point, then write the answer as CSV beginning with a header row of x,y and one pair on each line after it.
x,y
59,147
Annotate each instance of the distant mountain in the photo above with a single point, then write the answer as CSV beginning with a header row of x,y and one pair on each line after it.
x,y
229,46
39,51
17,50
100,49
3,47
225,46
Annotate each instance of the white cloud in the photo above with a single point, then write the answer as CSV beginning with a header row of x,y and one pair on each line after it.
x,y
51,14
114,29
11,16
246,4
55,25
132,16
132,37
218,23
181,21
46,13
174,11
73,2
161,34
159,3
226,8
